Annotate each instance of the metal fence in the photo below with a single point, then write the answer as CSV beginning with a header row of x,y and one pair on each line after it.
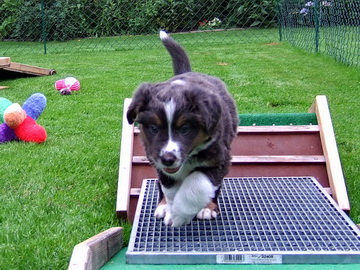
x,y
47,26
93,25
331,27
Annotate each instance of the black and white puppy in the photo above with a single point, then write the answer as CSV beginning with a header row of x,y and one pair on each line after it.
x,y
187,125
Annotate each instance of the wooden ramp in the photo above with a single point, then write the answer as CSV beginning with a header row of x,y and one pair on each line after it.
x,y
10,69
258,151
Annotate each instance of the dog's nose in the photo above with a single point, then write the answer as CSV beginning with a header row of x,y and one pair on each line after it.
x,y
168,159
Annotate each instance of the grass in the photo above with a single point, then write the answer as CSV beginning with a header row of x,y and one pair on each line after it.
x,y
129,42
59,193
340,42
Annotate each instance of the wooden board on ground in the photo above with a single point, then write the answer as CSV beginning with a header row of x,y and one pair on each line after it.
x,y
4,61
257,151
12,69
97,250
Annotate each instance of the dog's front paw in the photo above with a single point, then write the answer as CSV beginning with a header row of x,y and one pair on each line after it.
x,y
210,211
168,219
206,213
160,211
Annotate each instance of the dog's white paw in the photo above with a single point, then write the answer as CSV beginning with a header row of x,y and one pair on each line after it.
x,y
160,211
206,213
168,219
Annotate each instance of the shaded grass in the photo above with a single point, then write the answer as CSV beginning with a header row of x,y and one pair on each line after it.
x,y
57,194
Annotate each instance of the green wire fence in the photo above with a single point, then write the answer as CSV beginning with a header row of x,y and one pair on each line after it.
x,y
331,27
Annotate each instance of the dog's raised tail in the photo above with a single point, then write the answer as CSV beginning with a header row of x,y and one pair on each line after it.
x,y
180,60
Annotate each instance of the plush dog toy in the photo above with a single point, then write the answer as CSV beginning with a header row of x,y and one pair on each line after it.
x,y
18,123
67,85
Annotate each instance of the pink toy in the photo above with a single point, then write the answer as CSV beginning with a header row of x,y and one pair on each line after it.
x,y
65,86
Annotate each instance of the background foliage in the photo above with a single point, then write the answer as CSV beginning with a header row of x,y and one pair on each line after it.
x,y
64,20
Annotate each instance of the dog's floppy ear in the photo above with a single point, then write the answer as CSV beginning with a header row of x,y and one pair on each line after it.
x,y
140,100
210,109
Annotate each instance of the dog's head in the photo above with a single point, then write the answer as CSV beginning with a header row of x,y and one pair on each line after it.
x,y
176,119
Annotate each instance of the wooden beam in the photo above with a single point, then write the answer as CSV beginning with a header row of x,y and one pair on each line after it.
x,y
125,165
278,159
4,61
270,129
97,250
328,141
277,129
136,191
258,159
27,69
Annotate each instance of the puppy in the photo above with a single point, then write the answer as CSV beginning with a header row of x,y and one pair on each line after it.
x,y
187,125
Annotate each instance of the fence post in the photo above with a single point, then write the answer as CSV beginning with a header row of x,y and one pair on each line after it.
x,y
43,25
279,19
317,24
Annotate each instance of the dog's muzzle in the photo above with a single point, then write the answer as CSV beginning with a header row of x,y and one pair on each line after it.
x,y
168,159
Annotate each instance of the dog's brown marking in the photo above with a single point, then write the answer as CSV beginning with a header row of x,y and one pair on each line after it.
x,y
163,201
200,138
180,121
155,119
213,207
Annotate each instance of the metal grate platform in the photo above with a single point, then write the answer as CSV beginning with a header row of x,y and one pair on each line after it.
x,y
262,221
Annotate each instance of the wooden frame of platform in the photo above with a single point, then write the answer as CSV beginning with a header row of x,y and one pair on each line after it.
x,y
291,150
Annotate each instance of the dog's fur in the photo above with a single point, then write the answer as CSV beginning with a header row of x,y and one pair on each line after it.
x,y
187,125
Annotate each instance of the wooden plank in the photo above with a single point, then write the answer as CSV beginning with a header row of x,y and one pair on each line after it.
x,y
4,61
280,129
258,159
278,159
124,179
270,129
328,141
27,69
97,250
135,191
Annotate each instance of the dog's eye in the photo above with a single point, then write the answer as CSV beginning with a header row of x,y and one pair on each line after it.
x,y
154,129
184,129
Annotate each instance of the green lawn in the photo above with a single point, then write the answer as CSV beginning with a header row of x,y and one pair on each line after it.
x,y
59,193
151,41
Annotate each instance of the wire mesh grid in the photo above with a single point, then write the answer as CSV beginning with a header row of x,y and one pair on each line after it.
x,y
258,215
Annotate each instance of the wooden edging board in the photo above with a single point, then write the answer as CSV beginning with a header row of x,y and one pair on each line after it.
x,y
331,153
7,65
97,250
4,62
125,165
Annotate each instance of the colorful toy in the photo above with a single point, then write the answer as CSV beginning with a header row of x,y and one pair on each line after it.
x,y
67,85
18,123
